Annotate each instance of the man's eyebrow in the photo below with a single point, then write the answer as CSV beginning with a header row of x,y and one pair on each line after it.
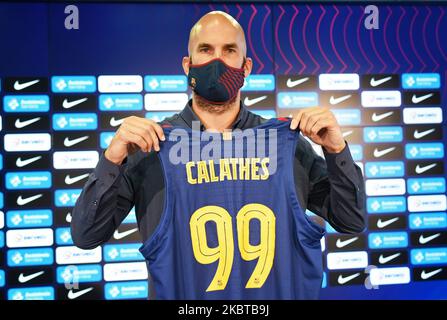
x,y
231,45
226,46
204,45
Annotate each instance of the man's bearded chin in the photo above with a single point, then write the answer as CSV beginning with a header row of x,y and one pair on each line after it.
x,y
205,105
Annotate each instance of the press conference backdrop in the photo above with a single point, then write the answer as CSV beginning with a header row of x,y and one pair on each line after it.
x,y
63,94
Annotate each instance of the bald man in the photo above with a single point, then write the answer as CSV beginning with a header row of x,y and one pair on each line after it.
x,y
129,172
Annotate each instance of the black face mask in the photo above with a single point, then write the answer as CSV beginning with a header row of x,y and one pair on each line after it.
x,y
215,81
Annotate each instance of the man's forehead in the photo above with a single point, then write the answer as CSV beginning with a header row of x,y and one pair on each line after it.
x,y
213,21
216,30
214,39
209,34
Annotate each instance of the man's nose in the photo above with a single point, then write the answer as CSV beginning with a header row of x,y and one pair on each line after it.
x,y
218,54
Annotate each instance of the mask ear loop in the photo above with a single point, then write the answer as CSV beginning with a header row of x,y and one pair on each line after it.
x,y
243,66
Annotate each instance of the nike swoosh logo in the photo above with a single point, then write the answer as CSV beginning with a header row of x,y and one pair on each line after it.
x,y
426,275
249,102
341,244
68,217
418,135
343,280
69,180
21,124
23,278
383,260
70,143
347,133
375,83
420,169
119,235
424,240
22,201
21,163
71,104
20,86
380,153
416,99
291,83
382,224
74,295
114,122
333,100
377,117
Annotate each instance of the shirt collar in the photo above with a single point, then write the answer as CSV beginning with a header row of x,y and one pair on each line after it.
x,y
188,115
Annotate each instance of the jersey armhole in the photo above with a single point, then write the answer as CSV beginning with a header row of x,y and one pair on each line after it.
x,y
151,243
314,229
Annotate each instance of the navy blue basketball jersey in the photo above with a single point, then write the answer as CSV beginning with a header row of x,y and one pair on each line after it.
x,y
232,225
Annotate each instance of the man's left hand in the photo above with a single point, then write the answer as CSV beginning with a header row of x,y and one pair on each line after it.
x,y
321,126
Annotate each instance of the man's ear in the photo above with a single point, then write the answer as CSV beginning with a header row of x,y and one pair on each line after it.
x,y
248,66
185,64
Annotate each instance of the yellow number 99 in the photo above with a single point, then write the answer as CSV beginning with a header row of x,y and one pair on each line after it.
x,y
224,252
265,250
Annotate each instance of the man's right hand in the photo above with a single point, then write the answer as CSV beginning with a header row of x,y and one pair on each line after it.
x,y
134,133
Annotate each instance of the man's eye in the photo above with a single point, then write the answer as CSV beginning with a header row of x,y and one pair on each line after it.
x,y
204,50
